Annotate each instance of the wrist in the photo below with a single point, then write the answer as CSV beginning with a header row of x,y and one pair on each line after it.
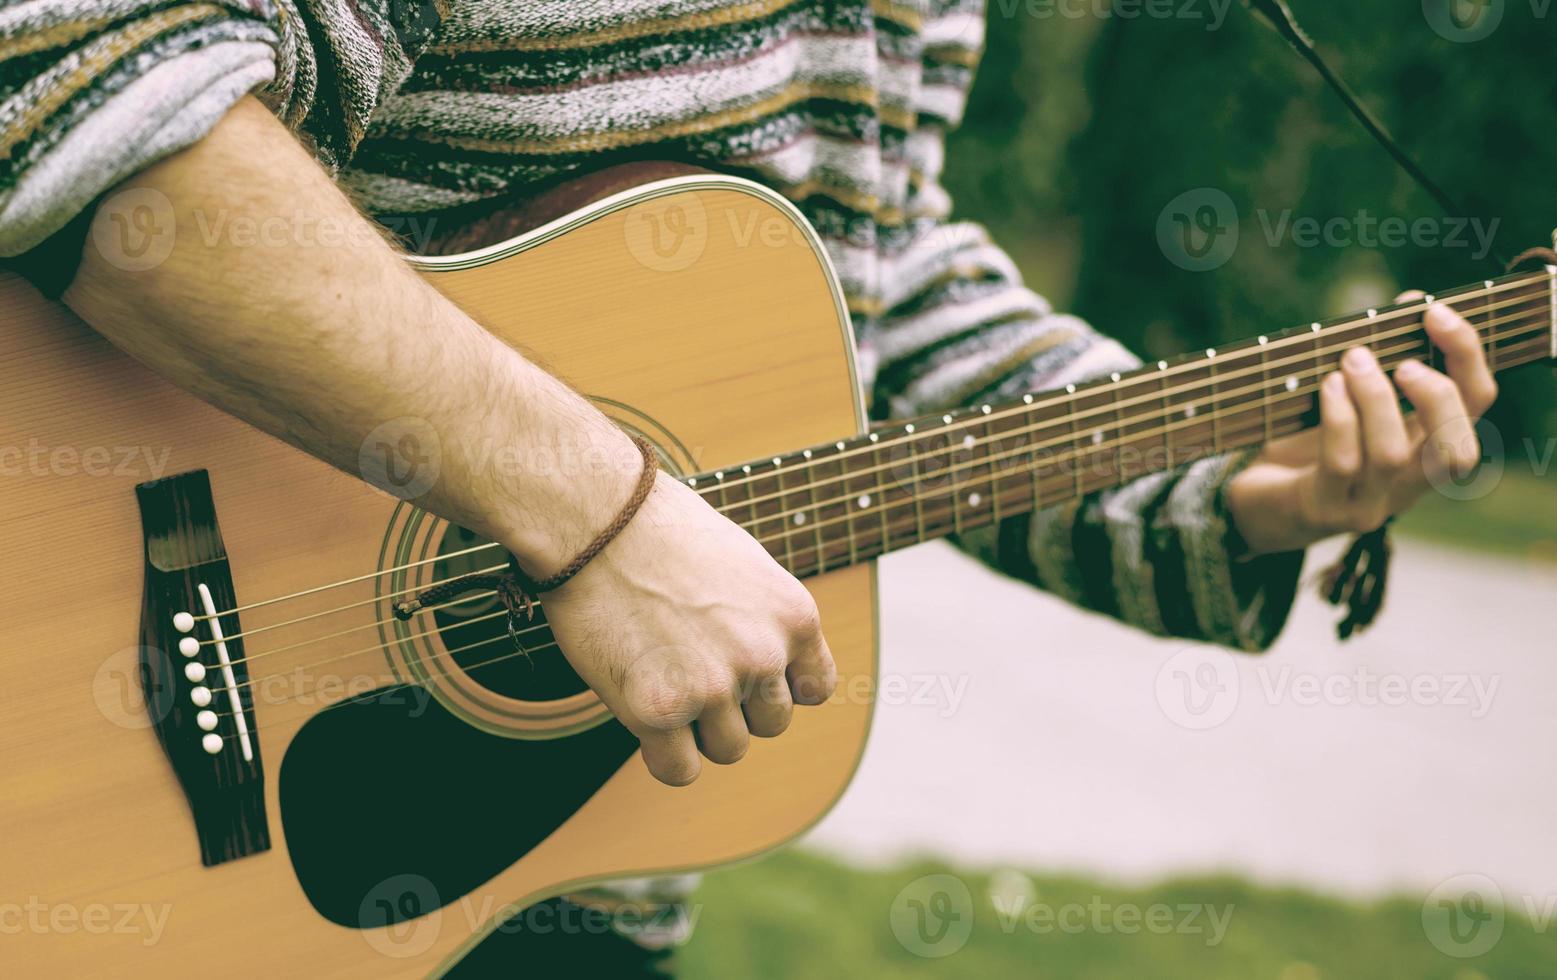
x,y
1265,506
572,493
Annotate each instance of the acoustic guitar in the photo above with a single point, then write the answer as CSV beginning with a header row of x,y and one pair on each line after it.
x,y
222,754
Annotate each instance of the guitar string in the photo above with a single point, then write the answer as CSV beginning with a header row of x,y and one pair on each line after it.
x,y
1219,396
1490,287
1077,451
272,723
991,479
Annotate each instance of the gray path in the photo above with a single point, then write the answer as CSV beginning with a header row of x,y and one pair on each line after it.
x,y
1020,732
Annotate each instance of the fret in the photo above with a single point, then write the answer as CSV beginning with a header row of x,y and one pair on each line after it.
x,y
1216,406
1034,438
881,494
1551,288
1165,415
992,466
1120,434
1316,340
1487,314
813,478
784,519
918,489
1074,458
858,497
1265,418
962,448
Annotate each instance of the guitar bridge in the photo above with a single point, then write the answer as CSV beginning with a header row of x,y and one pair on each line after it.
x,y
194,671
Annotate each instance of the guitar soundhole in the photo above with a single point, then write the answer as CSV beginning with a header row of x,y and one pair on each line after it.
x,y
475,636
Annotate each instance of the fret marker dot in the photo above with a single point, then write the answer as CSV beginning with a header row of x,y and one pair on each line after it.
x,y
719,475
1292,384
1210,352
1264,340
1372,314
800,518
864,500
806,454
1189,411
183,622
692,482
1488,284
777,461
1114,377
1097,438
968,441
1070,389
746,469
946,419
986,409
1162,365
974,500
1027,399
909,428
875,437
1315,328
839,446
1429,298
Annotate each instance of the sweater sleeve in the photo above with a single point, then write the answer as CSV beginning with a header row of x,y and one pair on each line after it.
x,y
92,91
1159,553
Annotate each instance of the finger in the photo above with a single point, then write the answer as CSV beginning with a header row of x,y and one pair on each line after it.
x,y
1451,444
811,674
770,707
721,733
1464,357
1340,442
1386,446
671,756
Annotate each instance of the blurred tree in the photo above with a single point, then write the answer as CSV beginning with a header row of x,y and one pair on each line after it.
x,y
1081,130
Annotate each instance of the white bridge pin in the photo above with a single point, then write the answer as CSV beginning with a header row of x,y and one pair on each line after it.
x,y
201,696
183,622
189,646
212,743
206,720
195,671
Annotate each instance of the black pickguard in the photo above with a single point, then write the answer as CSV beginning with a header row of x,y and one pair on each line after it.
x,y
393,793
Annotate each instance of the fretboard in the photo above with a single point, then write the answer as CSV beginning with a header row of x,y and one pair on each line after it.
x,y
831,506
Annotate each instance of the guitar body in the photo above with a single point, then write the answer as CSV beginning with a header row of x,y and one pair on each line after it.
x,y
397,830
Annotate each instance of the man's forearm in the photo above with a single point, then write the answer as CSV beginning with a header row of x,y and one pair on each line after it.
x,y
322,336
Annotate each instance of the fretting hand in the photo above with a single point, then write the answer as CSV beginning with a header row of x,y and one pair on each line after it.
x,y
1367,460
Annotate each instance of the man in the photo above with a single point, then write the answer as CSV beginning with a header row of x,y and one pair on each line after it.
x,y
262,110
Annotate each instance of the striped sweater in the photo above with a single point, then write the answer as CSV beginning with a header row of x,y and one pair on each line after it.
x,y
841,105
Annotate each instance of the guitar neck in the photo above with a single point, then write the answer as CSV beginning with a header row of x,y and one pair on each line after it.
x,y
829,507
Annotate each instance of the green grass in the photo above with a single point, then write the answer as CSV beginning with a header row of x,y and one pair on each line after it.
x,y
799,915
1518,518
